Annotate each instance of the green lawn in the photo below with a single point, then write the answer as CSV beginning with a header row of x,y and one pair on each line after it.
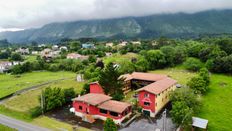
x,y
177,73
217,104
6,128
23,104
30,58
12,83
118,57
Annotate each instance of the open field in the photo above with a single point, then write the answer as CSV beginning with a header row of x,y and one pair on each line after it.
x,y
217,103
12,83
118,57
179,74
30,58
22,103
6,128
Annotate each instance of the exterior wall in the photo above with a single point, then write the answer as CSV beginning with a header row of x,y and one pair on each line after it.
x,y
163,98
86,108
127,87
96,88
95,112
150,99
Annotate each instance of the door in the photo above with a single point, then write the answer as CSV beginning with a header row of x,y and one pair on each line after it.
x,y
146,113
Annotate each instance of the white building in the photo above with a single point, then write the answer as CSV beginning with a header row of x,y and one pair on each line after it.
x,y
23,51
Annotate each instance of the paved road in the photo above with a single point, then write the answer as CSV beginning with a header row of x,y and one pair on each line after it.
x,y
19,125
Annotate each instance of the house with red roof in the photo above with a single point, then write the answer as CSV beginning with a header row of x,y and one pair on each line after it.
x,y
97,105
153,90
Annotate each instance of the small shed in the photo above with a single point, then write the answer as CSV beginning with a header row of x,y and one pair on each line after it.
x,y
199,123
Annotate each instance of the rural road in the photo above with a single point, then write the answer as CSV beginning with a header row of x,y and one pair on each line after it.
x,y
19,125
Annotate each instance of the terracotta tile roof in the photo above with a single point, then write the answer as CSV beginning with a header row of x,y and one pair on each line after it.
x,y
115,106
159,86
144,76
93,98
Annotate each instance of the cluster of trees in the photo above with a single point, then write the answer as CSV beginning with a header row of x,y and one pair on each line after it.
x,y
186,100
52,98
184,104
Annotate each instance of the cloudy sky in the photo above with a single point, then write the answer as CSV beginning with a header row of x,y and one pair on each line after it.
x,y
23,14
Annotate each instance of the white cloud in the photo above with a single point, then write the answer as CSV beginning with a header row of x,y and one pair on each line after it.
x,y
35,13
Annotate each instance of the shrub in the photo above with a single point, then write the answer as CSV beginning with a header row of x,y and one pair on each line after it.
x,y
193,64
198,84
109,125
35,112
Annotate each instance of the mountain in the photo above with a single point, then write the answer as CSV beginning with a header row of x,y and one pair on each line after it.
x,y
170,25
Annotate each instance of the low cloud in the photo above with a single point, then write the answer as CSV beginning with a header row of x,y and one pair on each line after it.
x,y
23,14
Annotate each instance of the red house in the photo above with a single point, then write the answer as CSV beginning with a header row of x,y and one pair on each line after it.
x,y
97,105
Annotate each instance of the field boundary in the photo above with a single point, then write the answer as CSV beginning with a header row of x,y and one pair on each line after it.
x,y
3,99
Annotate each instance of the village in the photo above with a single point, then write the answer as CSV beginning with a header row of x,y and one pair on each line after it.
x,y
107,90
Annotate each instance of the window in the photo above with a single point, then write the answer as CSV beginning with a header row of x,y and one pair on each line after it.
x,y
146,95
80,107
103,111
113,113
146,103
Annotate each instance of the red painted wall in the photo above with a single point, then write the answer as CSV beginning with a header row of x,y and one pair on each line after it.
x,y
150,99
96,88
85,108
94,110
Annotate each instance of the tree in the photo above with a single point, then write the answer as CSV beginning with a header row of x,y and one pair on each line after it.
x,y
180,54
92,58
53,97
111,82
204,73
141,64
169,53
126,67
100,64
181,114
155,58
184,104
193,64
5,55
16,57
109,125
69,93
195,48
198,84
187,96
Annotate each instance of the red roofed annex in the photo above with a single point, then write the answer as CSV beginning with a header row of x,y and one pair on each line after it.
x,y
97,105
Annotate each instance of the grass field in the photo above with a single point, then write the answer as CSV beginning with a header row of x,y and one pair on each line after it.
x,y
40,121
217,104
22,103
118,58
11,83
6,128
179,74
30,58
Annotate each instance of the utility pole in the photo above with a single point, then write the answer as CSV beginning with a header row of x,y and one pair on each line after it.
x,y
164,119
42,102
